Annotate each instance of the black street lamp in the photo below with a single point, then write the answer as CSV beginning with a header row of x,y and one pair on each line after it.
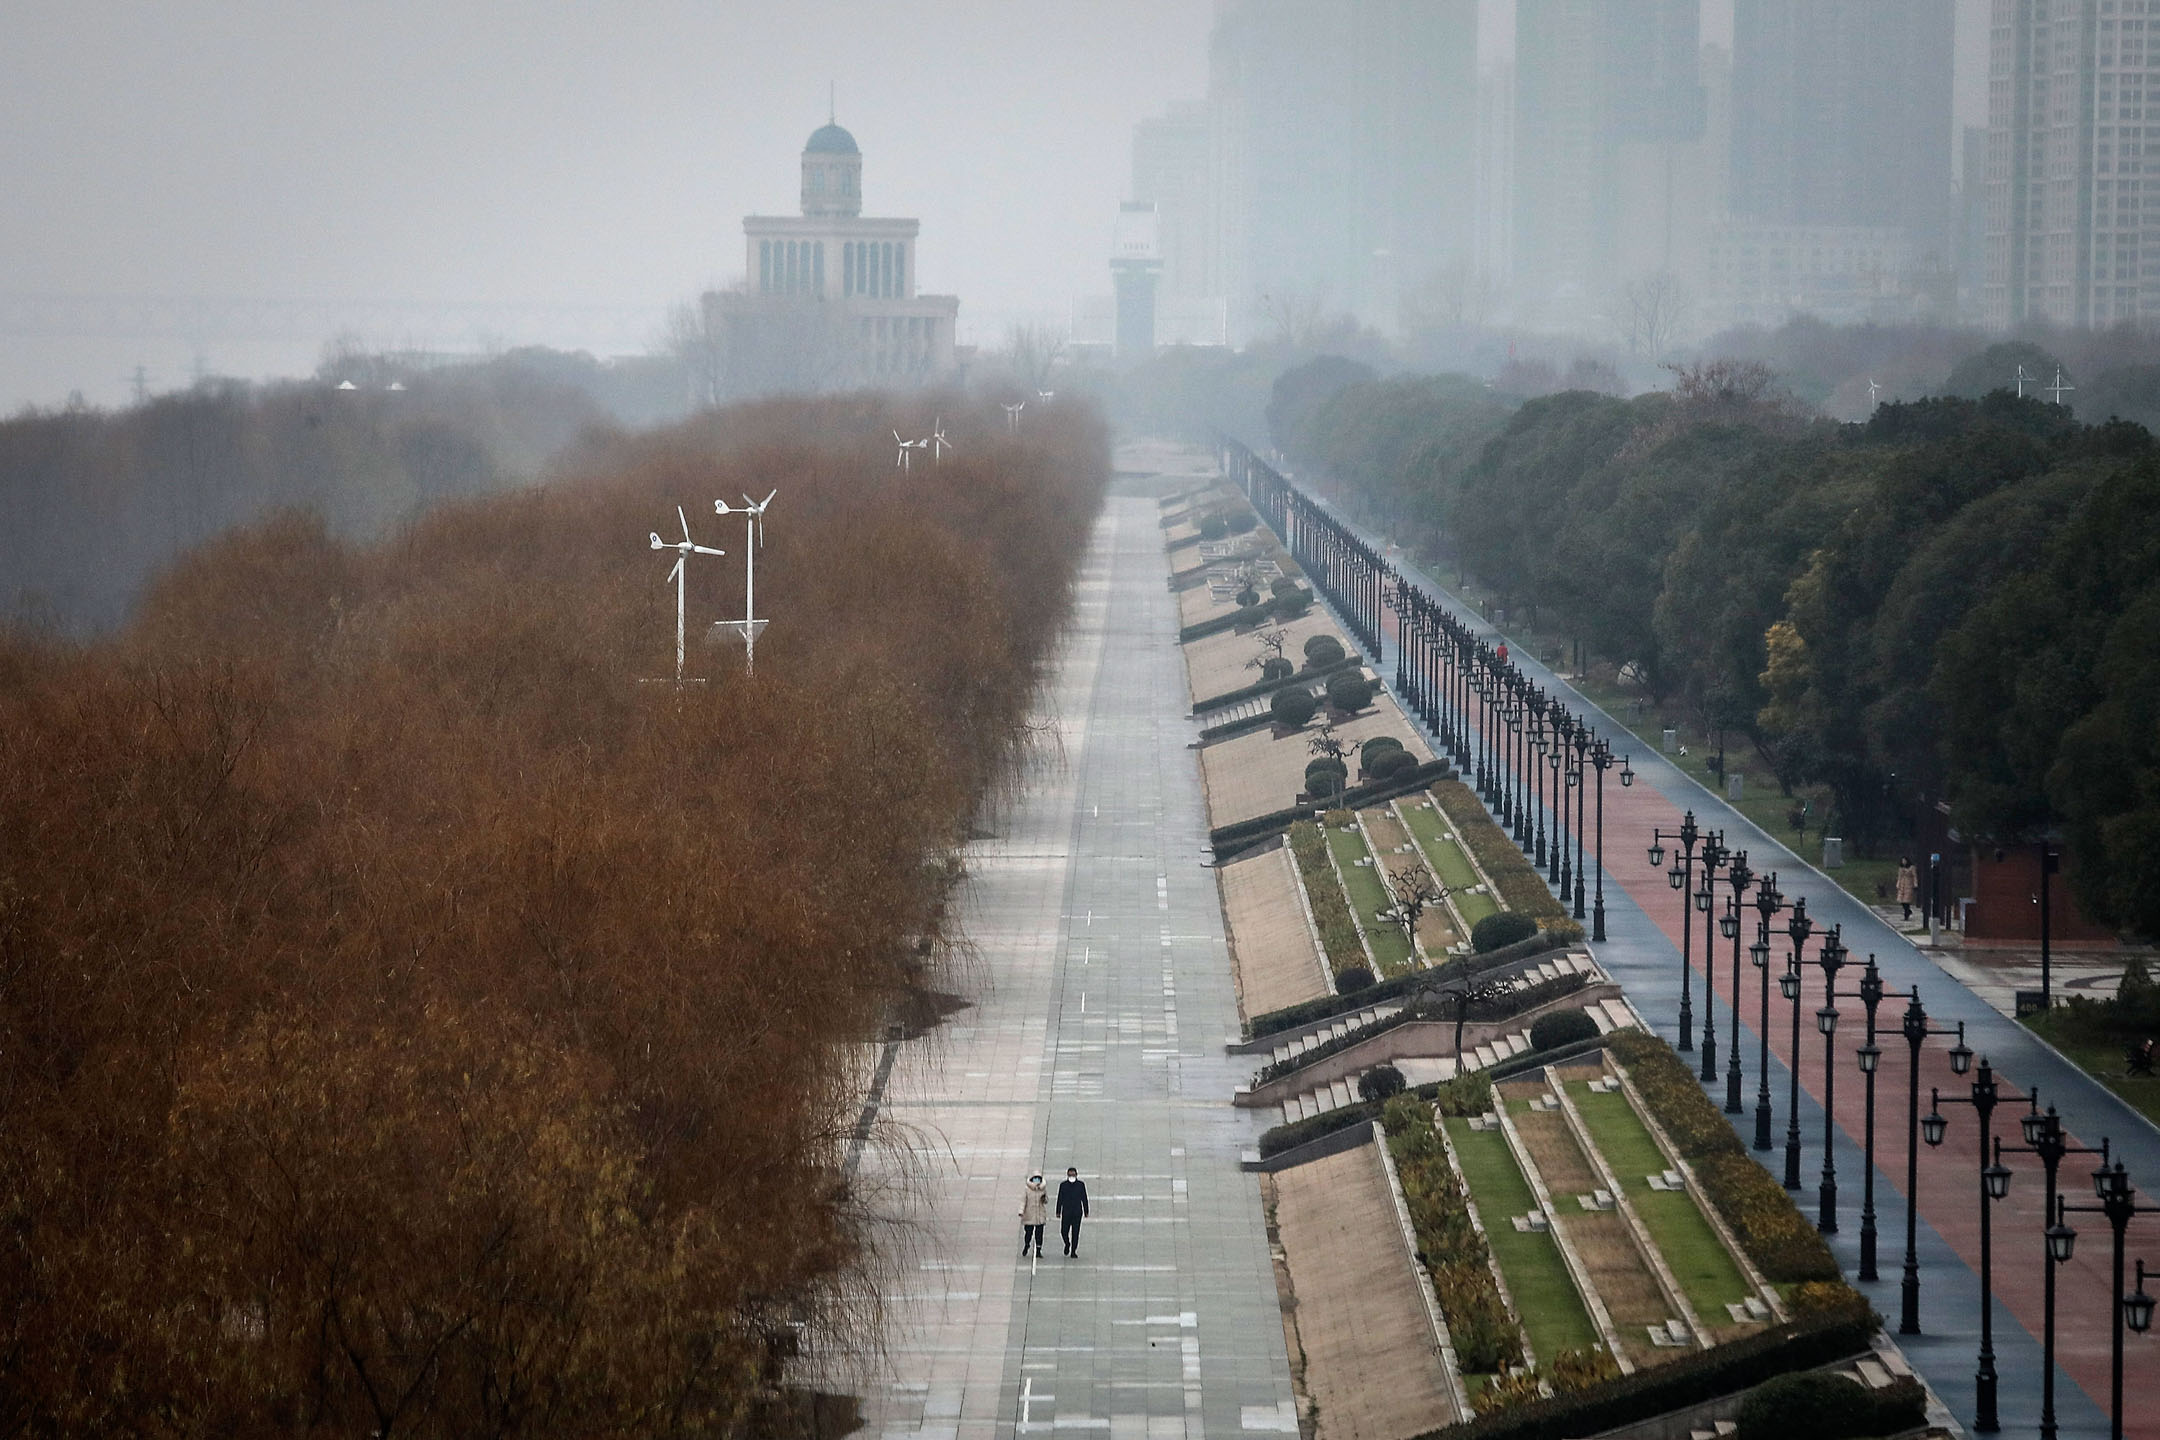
x,y
2118,1201
2044,1137
1687,836
1916,1030
1987,1093
1832,959
1798,928
1714,854
1557,873
1601,757
1579,783
1739,877
1767,904
1871,993
1539,750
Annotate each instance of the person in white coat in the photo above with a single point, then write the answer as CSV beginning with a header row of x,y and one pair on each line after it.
x,y
1034,1214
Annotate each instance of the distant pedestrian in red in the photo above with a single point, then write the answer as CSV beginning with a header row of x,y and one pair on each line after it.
x,y
1908,884
1501,652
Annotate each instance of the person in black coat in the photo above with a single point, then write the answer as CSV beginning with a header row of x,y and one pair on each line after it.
x,y
1072,1207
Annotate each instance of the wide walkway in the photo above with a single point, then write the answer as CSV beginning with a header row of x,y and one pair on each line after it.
x,y
1643,953
1102,995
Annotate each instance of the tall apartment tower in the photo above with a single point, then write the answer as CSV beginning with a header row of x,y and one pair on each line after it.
x,y
1608,98
1842,115
1343,151
2073,201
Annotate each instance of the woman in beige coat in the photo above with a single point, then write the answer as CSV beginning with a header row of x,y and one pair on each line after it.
x,y
1908,884
1034,1214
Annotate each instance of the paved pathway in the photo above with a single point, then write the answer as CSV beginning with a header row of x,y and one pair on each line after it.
x,y
1102,995
1643,918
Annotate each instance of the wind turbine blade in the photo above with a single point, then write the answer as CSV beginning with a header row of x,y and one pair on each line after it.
x,y
685,523
674,572
656,540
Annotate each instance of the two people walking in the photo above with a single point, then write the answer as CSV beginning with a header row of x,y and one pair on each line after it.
x,y
1072,1208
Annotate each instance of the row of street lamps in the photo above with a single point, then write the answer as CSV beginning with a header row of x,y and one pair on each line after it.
x,y
1529,757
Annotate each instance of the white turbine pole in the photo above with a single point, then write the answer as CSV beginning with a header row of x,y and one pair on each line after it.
x,y
753,513
684,549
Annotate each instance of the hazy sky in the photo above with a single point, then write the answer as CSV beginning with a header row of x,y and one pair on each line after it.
x,y
573,152
584,153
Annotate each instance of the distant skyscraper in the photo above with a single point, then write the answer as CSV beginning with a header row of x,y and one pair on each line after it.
x,y
1608,97
2073,223
1842,115
1343,152
1173,170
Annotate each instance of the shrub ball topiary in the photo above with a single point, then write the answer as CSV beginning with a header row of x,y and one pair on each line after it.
x,y
1391,765
1247,598
1241,521
1505,928
1323,785
1327,763
1819,1404
1380,1082
1561,1027
1353,978
1372,749
1282,585
1293,707
1277,668
1214,527
1348,690
1322,651
1291,604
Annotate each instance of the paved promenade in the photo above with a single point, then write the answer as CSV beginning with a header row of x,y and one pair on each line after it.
x,y
1643,953
1101,994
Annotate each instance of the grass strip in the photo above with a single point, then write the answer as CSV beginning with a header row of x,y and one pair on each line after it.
x,y
1449,862
1529,1260
1520,885
1368,896
1692,1250
1330,910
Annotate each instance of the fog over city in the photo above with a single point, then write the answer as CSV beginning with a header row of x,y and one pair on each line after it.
x,y
461,160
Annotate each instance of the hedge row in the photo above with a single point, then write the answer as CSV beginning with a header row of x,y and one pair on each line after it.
x,y
1330,907
1328,1006
1484,1333
1799,1344
1515,880
1268,687
1783,1245
1287,606
1514,1002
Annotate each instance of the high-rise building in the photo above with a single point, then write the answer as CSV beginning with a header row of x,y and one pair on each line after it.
x,y
1610,174
1342,152
1842,115
2073,164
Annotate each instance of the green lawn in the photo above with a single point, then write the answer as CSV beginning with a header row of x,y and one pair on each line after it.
x,y
1697,1258
2100,1055
1537,1278
1448,861
1368,896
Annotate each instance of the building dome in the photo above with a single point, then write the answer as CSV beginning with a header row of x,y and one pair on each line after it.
x,y
830,140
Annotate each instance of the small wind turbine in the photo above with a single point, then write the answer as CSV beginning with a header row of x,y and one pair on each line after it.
x,y
1044,395
2023,380
1873,390
937,438
2059,389
907,446
1012,416
684,549
749,627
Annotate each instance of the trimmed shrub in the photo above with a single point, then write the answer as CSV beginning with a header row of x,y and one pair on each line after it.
x,y
1277,668
1214,527
1353,978
1561,1027
1322,651
1293,707
1504,928
1247,598
1291,604
1572,1370
1348,690
1380,1083
1391,765
1282,585
1325,763
1819,1404
1469,1094
1323,785
1372,749
1241,522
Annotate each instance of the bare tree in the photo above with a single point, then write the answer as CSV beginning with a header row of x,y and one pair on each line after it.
x,y
1415,891
1653,310
1271,648
1326,742
1032,352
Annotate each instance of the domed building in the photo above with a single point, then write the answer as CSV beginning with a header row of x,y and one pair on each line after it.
x,y
830,300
